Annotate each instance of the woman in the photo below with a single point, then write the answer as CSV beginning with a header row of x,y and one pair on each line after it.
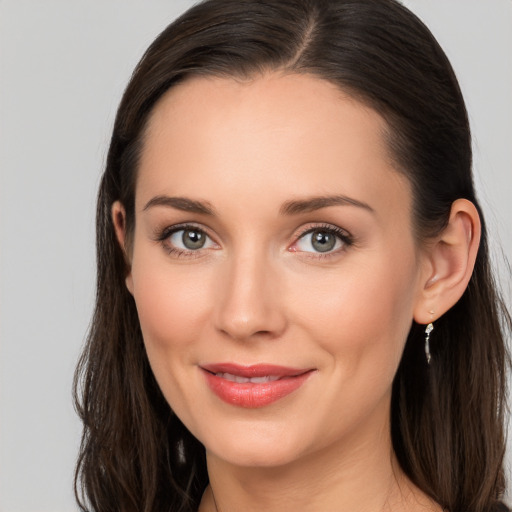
x,y
295,309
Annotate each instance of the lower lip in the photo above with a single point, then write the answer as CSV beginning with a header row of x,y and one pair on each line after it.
x,y
253,395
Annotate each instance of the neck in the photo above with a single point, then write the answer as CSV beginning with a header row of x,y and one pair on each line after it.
x,y
360,477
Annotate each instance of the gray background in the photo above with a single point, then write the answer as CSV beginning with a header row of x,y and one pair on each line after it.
x,y
63,66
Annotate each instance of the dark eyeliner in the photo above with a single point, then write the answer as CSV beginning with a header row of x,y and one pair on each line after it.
x,y
343,235
161,236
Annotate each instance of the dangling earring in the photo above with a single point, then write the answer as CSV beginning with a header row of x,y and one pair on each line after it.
x,y
428,330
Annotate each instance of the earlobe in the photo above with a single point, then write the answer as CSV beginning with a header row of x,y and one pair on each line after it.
x,y
119,221
451,259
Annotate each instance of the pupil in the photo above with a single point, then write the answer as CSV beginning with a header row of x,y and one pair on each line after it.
x,y
323,241
193,239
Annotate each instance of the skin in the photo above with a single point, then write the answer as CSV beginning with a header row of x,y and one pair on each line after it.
x,y
259,292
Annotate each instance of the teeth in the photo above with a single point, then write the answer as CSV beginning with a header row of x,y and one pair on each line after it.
x,y
268,378
243,380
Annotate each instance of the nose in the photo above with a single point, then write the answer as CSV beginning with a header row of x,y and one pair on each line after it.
x,y
249,304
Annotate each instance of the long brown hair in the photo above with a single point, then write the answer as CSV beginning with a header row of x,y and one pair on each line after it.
x,y
447,418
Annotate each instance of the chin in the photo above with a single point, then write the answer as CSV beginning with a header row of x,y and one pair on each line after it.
x,y
257,447
257,456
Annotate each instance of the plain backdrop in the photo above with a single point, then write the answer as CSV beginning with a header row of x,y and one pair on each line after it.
x,y
63,67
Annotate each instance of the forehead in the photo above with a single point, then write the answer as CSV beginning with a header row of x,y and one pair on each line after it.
x,y
276,136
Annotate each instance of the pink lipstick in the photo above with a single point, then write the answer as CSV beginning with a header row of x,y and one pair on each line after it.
x,y
253,386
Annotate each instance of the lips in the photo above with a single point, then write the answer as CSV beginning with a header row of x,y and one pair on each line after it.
x,y
253,386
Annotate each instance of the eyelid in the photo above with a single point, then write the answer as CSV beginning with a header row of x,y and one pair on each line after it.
x,y
323,225
343,235
163,235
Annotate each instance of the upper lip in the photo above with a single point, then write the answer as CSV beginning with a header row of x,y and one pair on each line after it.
x,y
255,370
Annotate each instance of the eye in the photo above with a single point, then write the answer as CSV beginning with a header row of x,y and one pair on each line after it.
x,y
184,240
322,240
190,239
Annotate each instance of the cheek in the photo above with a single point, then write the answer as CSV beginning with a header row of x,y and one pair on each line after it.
x,y
172,303
360,319
361,315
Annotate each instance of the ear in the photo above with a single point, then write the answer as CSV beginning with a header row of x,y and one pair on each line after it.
x,y
450,260
119,221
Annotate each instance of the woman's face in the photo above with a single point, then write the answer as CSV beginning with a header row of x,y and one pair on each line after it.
x,y
273,266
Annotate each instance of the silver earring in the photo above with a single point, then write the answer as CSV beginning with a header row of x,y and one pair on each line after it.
x,y
428,330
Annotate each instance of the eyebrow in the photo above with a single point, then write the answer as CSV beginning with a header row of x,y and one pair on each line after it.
x,y
181,203
292,207
311,204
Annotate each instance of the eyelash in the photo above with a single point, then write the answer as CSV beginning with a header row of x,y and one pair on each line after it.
x,y
167,232
346,239
163,236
